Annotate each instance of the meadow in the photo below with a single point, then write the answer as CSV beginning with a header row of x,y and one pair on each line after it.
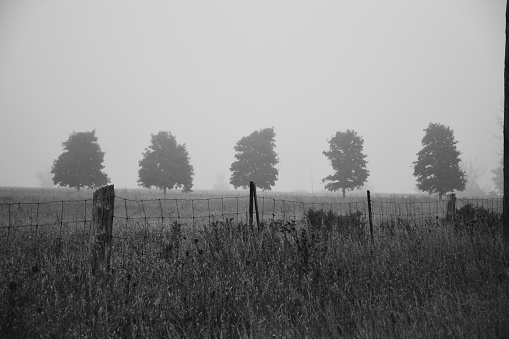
x,y
311,270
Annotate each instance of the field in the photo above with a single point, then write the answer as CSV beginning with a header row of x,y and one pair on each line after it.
x,y
189,266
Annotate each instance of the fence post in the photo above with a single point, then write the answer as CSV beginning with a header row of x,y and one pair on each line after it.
x,y
256,206
370,217
102,225
451,207
251,194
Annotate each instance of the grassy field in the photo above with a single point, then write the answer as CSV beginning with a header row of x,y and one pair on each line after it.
x,y
316,277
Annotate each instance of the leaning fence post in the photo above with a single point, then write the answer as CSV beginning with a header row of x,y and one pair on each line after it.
x,y
102,225
256,207
251,200
370,217
451,207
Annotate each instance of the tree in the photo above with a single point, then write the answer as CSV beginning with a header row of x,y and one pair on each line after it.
x,y
45,177
473,172
221,183
165,164
348,162
256,159
498,179
81,162
437,167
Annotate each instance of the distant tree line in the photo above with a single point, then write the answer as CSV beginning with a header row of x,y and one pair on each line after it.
x,y
165,163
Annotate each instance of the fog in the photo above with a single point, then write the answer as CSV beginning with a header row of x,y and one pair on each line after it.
x,y
211,72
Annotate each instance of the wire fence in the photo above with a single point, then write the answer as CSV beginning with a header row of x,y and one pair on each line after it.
x,y
67,216
29,230
197,211
421,212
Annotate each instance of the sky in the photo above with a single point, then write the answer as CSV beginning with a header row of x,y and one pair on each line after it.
x,y
212,72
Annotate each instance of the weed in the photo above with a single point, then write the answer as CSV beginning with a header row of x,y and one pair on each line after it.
x,y
316,277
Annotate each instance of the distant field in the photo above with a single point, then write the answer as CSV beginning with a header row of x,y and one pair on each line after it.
x,y
303,274
22,194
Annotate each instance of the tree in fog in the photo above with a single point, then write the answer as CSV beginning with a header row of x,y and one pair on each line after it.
x,y
165,164
348,162
81,163
255,160
45,177
221,183
473,172
437,167
498,178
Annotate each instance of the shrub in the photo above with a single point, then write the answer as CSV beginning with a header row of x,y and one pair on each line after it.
x,y
477,219
352,224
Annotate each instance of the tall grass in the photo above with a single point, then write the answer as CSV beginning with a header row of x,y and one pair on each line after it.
x,y
319,277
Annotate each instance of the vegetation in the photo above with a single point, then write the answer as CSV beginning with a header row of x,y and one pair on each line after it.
x,y
165,164
437,167
319,276
473,173
81,162
498,179
348,162
255,160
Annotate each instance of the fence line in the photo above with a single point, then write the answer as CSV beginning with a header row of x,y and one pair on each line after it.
x,y
131,213
139,223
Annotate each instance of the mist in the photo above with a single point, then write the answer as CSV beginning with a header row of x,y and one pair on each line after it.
x,y
213,72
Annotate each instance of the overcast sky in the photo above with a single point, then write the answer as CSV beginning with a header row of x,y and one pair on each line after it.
x,y
211,72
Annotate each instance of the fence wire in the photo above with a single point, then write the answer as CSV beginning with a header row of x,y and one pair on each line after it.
x,y
387,212
66,215
57,224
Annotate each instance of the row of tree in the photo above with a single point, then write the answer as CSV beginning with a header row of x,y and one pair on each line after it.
x,y
166,164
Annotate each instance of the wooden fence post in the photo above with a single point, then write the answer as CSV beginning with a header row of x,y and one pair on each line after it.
x,y
451,207
102,225
370,217
251,200
256,207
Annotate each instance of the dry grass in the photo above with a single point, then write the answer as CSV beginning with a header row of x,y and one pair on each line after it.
x,y
322,278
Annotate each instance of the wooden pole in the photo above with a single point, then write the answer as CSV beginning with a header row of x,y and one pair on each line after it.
x,y
451,208
506,141
370,217
102,228
256,207
251,195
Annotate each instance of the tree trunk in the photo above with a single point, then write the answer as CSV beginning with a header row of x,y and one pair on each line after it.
x,y
343,193
164,190
506,142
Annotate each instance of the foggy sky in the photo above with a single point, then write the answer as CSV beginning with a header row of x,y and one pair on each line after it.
x,y
211,72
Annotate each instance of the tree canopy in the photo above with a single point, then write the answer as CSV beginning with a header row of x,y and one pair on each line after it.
x,y
255,160
348,162
437,167
81,163
165,164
